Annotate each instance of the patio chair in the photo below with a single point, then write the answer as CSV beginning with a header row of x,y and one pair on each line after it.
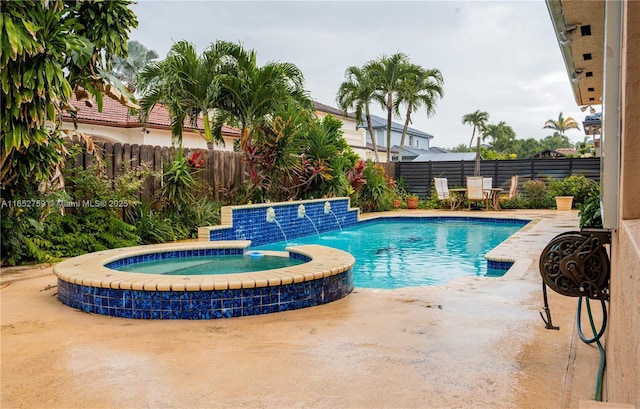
x,y
513,189
475,191
487,183
442,189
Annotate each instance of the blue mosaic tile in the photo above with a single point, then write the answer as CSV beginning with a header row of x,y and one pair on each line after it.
x,y
213,304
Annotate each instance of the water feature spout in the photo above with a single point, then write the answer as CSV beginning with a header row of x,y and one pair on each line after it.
x,y
271,215
271,218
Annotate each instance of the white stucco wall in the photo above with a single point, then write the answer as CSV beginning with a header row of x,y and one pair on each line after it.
x,y
144,136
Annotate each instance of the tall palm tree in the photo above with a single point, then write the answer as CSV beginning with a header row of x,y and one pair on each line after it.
x,y
184,83
249,93
561,125
479,121
422,87
388,74
126,69
356,93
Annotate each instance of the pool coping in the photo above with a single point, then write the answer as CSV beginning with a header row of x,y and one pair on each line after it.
x,y
89,269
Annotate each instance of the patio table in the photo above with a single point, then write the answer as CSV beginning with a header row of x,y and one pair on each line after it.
x,y
493,195
459,194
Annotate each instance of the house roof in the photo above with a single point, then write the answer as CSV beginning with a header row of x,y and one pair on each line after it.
x,y
409,152
381,123
116,115
547,154
579,27
331,110
448,156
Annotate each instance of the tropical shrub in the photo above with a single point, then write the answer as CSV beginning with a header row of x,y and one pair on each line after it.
x,y
590,211
76,36
179,182
377,193
577,186
536,195
22,237
329,156
150,225
202,212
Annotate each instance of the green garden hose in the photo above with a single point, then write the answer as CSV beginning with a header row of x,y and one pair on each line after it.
x,y
596,338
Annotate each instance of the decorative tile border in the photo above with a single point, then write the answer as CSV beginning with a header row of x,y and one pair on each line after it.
x,y
86,283
196,305
249,222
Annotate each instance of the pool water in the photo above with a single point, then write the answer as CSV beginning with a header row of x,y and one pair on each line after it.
x,y
199,265
396,254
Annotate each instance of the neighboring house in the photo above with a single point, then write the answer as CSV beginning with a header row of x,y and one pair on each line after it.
x,y
446,156
116,124
355,137
568,152
547,154
438,154
408,153
414,138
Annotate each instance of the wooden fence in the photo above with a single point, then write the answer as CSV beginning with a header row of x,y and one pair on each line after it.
x,y
220,170
418,176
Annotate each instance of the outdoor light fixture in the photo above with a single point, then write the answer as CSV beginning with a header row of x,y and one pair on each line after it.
x,y
575,78
591,109
566,36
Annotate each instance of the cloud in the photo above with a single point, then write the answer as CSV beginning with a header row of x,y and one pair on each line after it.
x,y
500,57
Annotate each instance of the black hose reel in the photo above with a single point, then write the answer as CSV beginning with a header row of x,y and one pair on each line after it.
x,y
576,264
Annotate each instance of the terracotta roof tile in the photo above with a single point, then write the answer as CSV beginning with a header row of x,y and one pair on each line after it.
x,y
114,114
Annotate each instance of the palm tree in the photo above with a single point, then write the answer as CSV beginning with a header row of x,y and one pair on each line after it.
x,y
388,74
184,82
249,93
421,88
502,136
356,93
479,121
127,69
561,125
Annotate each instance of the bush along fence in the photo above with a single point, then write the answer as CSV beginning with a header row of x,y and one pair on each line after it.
x,y
219,169
418,176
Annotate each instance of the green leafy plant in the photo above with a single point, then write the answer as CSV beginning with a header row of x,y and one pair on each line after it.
x,y
537,195
375,195
590,211
577,186
151,226
180,183
203,212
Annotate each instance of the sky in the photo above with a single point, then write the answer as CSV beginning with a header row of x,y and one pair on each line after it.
x,y
501,57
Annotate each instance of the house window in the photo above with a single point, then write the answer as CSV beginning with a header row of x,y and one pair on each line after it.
x,y
417,143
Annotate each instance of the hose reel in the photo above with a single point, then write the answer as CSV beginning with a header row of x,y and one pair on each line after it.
x,y
576,264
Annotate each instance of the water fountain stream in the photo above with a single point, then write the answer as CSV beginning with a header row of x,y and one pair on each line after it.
x,y
302,213
271,218
327,210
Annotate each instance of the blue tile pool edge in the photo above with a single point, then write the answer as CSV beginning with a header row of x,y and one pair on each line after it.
x,y
213,304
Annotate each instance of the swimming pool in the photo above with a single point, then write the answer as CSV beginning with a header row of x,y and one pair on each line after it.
x,y
403,252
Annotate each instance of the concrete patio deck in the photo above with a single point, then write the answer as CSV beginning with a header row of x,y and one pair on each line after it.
x,y
474,343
